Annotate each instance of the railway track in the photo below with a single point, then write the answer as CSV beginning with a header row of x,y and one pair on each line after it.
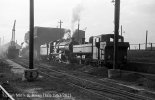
x,y
103,91
5,92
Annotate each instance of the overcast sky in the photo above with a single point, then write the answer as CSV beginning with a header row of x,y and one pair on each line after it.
x,y
136,16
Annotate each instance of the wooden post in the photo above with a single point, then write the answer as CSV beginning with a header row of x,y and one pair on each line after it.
x,y
146,40
139,46
151,46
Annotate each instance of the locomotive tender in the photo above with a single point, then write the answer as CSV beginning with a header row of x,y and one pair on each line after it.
x,y
98,51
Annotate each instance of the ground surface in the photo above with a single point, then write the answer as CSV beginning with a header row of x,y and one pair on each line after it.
x,y
146,84
53,89
41,89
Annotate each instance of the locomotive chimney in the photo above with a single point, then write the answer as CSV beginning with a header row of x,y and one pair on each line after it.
x,y
78,31
73,39
83,40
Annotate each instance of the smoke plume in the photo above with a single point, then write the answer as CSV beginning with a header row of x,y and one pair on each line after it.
x,y
76,14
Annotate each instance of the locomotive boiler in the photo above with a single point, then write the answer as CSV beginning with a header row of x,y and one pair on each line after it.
x,y
59,50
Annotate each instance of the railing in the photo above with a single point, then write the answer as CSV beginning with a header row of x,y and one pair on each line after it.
x,y
4,95
142,46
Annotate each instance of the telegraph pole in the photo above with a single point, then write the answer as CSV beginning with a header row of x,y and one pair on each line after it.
x,y
60,28
115,72
117,17
31,73
31,34
146,40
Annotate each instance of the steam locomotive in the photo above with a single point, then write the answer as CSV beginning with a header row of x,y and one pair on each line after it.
x,y
97,52
12,51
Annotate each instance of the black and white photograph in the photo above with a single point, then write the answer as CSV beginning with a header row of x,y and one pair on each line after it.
x,y
77,49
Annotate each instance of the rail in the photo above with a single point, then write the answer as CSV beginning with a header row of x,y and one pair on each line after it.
x,y
91,86
4,94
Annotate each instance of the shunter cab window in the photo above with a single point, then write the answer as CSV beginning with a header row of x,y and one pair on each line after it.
x,y
111,39
119,40
97,39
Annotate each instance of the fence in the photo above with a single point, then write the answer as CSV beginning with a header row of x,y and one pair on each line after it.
x,y
142,46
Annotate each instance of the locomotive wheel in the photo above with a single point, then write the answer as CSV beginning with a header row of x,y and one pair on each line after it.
x,y
86,62
94,64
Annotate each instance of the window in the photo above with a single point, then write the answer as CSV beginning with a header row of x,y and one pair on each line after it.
x,y
119,40
97,39
111,40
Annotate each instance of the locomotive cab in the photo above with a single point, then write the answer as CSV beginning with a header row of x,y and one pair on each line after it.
x,y
99,51
107,49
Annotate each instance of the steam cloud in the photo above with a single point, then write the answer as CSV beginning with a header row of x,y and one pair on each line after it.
x,y
76,15
67,34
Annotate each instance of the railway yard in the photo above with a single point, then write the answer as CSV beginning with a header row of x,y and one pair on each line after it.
x,y
55,63
59,81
